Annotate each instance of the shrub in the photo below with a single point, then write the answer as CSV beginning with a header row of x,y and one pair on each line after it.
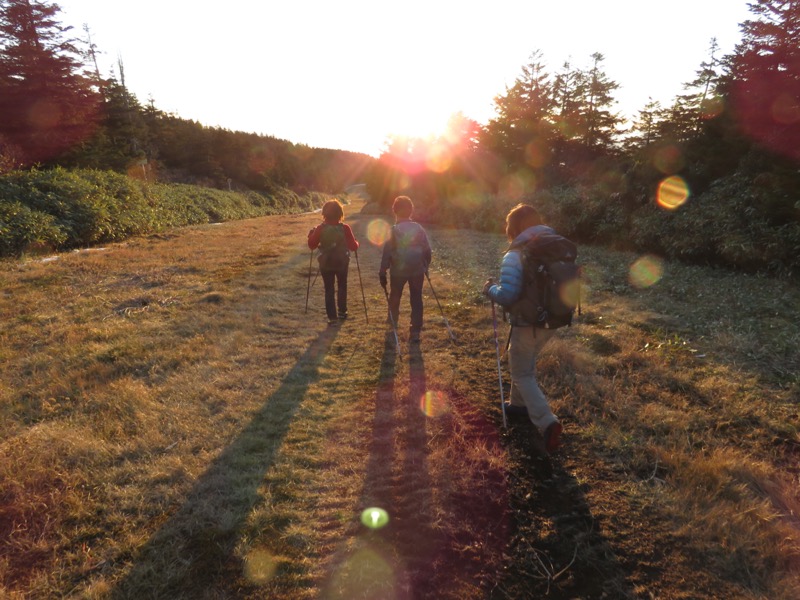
x,y
73,208
21,227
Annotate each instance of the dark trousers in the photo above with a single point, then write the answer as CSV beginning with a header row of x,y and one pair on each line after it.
x,y
415,283
334,295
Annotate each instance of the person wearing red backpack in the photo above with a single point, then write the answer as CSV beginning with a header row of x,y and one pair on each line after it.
x,y
335,241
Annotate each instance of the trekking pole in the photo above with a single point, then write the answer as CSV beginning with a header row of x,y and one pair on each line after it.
x,y
450,331
499,373
361,283
391,320
308,290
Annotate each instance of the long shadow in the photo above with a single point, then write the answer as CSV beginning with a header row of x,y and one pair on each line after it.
x,y
193,551
413,533
400,554
558,549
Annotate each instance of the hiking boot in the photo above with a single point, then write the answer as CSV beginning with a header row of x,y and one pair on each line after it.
x,y
552,437
342,316
513,410
333,322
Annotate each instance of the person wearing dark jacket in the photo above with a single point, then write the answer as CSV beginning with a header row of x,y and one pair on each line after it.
x,y
335,241
407,256
523,222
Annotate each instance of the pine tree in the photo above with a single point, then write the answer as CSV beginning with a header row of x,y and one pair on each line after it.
x,y
47,103
600,124
764,76
704,96
644,131
523,131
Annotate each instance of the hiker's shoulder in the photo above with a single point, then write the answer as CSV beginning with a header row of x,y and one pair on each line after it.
x,y
532,233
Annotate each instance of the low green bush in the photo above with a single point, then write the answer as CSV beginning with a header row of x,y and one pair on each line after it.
x,y
75,208
21,228
736,223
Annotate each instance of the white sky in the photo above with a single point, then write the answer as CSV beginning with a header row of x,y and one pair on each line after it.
x,y
345,74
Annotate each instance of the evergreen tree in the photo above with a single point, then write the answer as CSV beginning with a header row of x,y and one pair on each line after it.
x,y
568,91
524,116
704,97
764,76
47,103
644,131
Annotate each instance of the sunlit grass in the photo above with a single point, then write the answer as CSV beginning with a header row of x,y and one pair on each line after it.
x,y
172,422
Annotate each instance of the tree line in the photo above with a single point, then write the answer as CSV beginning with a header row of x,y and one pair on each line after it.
x,y
712,177
59,110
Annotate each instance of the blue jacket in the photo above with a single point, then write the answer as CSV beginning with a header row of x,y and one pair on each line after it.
x,y
509,289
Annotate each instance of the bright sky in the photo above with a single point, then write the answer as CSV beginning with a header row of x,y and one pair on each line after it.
x,y
348,73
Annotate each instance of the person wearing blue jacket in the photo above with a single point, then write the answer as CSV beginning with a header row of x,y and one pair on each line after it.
x,y
523,223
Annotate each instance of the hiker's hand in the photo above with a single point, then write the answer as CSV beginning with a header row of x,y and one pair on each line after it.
x,y
382,278
489,283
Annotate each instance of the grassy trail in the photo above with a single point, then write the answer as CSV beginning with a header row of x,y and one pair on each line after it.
x,y
176,425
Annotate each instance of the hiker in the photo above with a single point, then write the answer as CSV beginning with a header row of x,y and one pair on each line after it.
x,y
523,223
406,255
335,240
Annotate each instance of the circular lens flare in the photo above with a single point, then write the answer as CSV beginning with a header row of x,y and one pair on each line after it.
x,y
439,158
434,404
537,154
260,566
570,293
673,192
668,159
378,231
365,573
374,518
646,271
786,109
516,185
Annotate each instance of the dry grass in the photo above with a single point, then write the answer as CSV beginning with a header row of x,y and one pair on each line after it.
x,y
174,425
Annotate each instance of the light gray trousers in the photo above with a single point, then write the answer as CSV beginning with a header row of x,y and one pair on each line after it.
x,y
526,344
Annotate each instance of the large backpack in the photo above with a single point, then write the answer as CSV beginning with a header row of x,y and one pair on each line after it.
x,y
408,249
551,282
333,252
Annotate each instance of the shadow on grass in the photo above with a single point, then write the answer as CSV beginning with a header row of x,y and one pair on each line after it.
x,y
559,549
395,560
193,551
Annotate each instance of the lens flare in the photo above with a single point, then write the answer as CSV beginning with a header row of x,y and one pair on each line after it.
x,y
374,518
261,160
516,185
378,231
537,154
786,109
672,192
44,114
260,566
646,271
363,574
570,293
668,159
434,404
439,158
467,197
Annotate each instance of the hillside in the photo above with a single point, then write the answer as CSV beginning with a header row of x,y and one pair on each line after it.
x,y
174,424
